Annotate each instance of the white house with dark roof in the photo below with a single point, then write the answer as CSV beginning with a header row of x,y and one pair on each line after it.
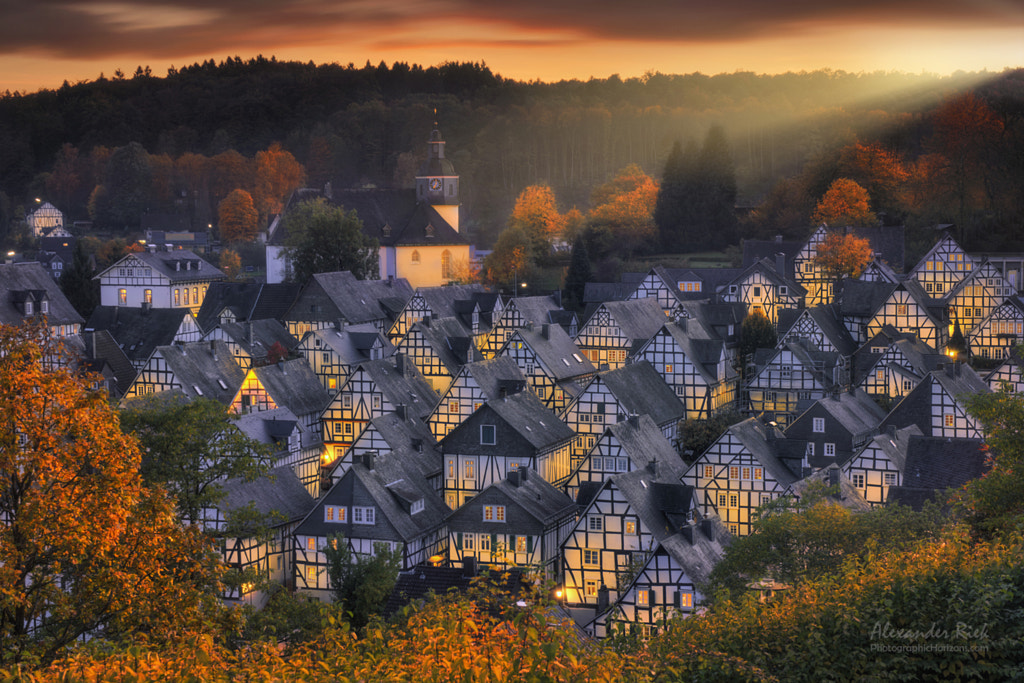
x,y
879,464
935,405
611,332
473,385
329,299
554,367
254,341
201,369
288,383
836,426
161,279
30,294
518,312
335,352
439,347
788,379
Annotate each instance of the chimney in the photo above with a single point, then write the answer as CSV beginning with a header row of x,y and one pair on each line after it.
x,y
417,445
951,370
652,467
634,419
687,532
833,476
780,263
400,364
545,330
400,410
778,239
248,332
891,431
523,473
391,281
602,599
280,366
426,320
213,350
708,527
529,326
339,324
368,460
146,306
469,566
514,478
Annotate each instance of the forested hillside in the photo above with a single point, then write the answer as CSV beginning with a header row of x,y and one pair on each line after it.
x,y
352,125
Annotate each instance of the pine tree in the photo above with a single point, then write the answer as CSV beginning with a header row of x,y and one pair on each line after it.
x,y
578,276
78,286
673,212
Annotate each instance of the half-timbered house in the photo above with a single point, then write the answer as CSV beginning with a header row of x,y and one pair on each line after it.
x,y
764,289
289,383
609,334
936,404
552,364
254,341
623,447
334,352
374,388
937,464
402,436
280,498
998,332
518,311
330,298
669,582
519,521
836,426
1009,373
877,467
909,310
942,268
158,278
202,369
502,435
977,295
614,395
28,293
858,302
620,525
892,363
378,501
290,443
446,302
474,384
139,331
698,368
439,348
748,466
786,380
818,325
238,302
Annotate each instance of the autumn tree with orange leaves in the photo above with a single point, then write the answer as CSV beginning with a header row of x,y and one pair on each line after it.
x,y
624,206
842,256
536,213
845,203
84,545
237,217
278,174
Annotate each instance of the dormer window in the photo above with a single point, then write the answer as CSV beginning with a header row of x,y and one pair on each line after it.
x,y
44,306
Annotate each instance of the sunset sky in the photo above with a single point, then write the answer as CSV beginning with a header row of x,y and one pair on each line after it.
x,y
44,42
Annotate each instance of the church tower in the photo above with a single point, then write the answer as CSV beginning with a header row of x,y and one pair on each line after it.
x,y
437,183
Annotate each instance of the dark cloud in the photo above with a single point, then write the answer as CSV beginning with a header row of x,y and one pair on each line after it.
x,y
89,29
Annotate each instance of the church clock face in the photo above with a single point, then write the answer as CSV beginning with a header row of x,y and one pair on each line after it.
x,y
435,184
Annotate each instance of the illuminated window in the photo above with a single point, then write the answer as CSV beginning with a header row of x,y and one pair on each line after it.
x,y
520,544
684,600
122,298
177,297
185,292
757,474
668,368
494,513
310,543
630,527
195,295
590,589
709,471
901,309
643,597
453,406
147,296
311,573
468,471
948,420
734,472
415,257
446,264
880,375
746,473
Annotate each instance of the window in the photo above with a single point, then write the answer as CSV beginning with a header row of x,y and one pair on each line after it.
x,y
721,500
122,298
195,295
595,523
494,513
468,470
734,500
732,289
757,291
446,264
28,307
809,451
488,435
453,406
709,471
591,557
784,290
830,450
311,573
880,375
468,541
485,543
185,293
417,506
376,402
746,473
684,600
734,472
818,425
621,464
630,526
901,309
858,480
908,385
590,589
597,463
336,514
520,544
177,297
310,543
347,428
758,474
889,478
643,597
346,401
948,420
363,515
44,306
415,258
147,296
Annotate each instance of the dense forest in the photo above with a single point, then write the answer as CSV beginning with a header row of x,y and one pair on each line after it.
x,y
367,125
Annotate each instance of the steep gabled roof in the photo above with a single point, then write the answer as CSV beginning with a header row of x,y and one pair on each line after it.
x,y
204,369
555,350
941,463
100,345
279,491
495,374
449,340
956,379
761,441
642,441
824,317
292,383
138,331
862,299
246,301
638,319
352,343
179,265
402,383
359,301
643,391
33,279
258,336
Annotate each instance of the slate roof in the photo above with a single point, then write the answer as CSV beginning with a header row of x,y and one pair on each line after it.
x,y
755,250
762,442
292,383
526,414
894,442
402,383
600,292
494,374
206,365
637,318
535,309
356,301
697,548
449,340
848,496
31,279
824,317
411,442
555,350
703,353
138,331
530,502
274,427
443,301
859,299
247,301
179,265
642,441
920,355
956,379
100,345
643,391
279,491
768,268
887,241
656,497
256,337
940,463
855,410
352,343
